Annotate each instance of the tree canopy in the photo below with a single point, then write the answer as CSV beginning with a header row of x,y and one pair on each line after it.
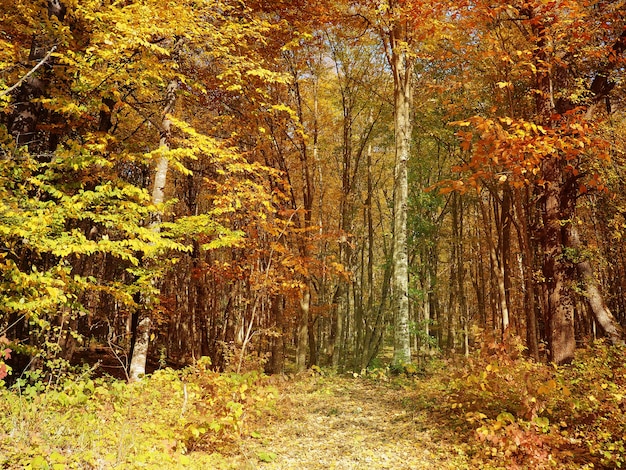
x,y
304,183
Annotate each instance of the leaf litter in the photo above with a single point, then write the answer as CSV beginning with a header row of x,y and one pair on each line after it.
x,y
348,423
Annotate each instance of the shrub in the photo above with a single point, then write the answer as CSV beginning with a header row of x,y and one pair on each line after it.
x,y
104,423
521,414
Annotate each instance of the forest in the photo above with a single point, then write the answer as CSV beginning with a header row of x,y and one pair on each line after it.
x,y
226,202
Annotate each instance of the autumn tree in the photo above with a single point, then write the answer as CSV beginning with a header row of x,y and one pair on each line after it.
x,y
93,146
556,60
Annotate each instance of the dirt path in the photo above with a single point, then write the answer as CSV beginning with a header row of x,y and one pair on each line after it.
x,y
345,423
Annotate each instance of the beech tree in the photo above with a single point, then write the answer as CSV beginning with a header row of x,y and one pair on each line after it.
x,y
553,148
90,134
215,179
398,33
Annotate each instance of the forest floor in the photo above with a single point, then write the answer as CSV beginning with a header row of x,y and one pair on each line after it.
x,y
349,423
488,412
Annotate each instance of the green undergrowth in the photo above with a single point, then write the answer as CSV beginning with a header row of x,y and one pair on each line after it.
x,y
519,414
494,411
171,419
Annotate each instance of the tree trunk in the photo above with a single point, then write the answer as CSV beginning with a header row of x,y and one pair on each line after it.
x,y
532,336
601,312
557,269
277,360
140,352
142,335
498,271
402,69
505,256
305,222
303,330
370,324
559,204
313,351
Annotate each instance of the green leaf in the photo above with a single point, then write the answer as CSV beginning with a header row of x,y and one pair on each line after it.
x,y
505,417
266,456
542,423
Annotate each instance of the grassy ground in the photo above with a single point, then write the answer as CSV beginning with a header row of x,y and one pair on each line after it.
x,y
490,412
205,420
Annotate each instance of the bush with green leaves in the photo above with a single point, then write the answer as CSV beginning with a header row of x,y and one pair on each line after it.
x,y
171,419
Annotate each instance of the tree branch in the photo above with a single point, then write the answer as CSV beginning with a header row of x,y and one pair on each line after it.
x,y
31,71
601,85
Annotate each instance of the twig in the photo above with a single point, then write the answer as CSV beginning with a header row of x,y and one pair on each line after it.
x,y
119,359
186,397
250,333
4,332
32,71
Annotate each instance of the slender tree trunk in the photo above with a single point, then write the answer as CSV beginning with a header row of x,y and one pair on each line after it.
x,y
303,330
313,348
337,328
527,272
142,334
370,325
505,253
498,271
401,65
601,312
308,194
277,361
460,275
345,222
374,335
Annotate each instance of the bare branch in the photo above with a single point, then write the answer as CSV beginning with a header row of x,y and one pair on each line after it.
x,y
31,71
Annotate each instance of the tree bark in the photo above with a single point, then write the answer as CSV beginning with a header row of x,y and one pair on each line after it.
x,y
601,312
142,335
277,360
498,271
558,210
140,352
559,199
305,222
557,269
303,330
527,272
401,66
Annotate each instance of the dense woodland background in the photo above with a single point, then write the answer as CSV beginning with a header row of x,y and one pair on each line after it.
x,y
293,183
